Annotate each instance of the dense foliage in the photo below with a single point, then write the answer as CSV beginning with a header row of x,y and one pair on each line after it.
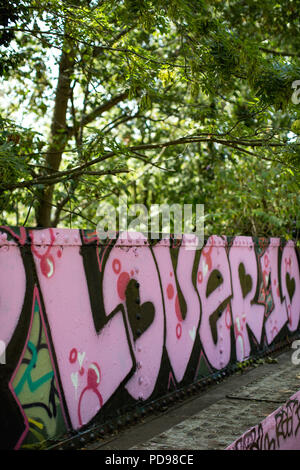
x,y
178,101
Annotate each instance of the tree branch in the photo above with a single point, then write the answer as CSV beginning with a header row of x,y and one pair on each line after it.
x,y
88,118
202,138
281,53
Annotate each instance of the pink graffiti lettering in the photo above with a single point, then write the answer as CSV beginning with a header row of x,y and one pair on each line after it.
x,y
137,264
278,317
215,305
290,282
66,292
180,333
243,266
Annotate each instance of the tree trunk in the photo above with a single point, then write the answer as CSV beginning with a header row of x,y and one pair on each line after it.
x,y
58,135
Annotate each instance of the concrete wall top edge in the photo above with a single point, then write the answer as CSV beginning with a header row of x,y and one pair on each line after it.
x,y
73,237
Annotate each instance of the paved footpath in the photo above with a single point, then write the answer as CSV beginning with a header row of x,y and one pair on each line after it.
x,y
213,419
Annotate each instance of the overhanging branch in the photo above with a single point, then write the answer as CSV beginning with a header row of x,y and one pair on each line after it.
x,y
88,118
241,145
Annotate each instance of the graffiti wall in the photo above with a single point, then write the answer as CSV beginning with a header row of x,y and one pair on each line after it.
x,y
94,328
279,431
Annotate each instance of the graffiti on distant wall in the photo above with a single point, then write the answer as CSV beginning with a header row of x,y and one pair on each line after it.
x,y
93,326
279,431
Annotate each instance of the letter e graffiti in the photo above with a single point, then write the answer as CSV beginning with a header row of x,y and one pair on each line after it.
x,y
296,355
2,352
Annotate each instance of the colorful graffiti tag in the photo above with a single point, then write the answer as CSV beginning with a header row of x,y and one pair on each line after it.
x,y
93,328
279,431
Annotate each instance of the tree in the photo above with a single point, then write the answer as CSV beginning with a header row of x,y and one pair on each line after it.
x,y
109,90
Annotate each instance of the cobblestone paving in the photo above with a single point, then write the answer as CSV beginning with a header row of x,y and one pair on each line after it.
x,y
217,417
217,426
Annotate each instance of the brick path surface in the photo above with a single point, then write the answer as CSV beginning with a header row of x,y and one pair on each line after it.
x,y
215,418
